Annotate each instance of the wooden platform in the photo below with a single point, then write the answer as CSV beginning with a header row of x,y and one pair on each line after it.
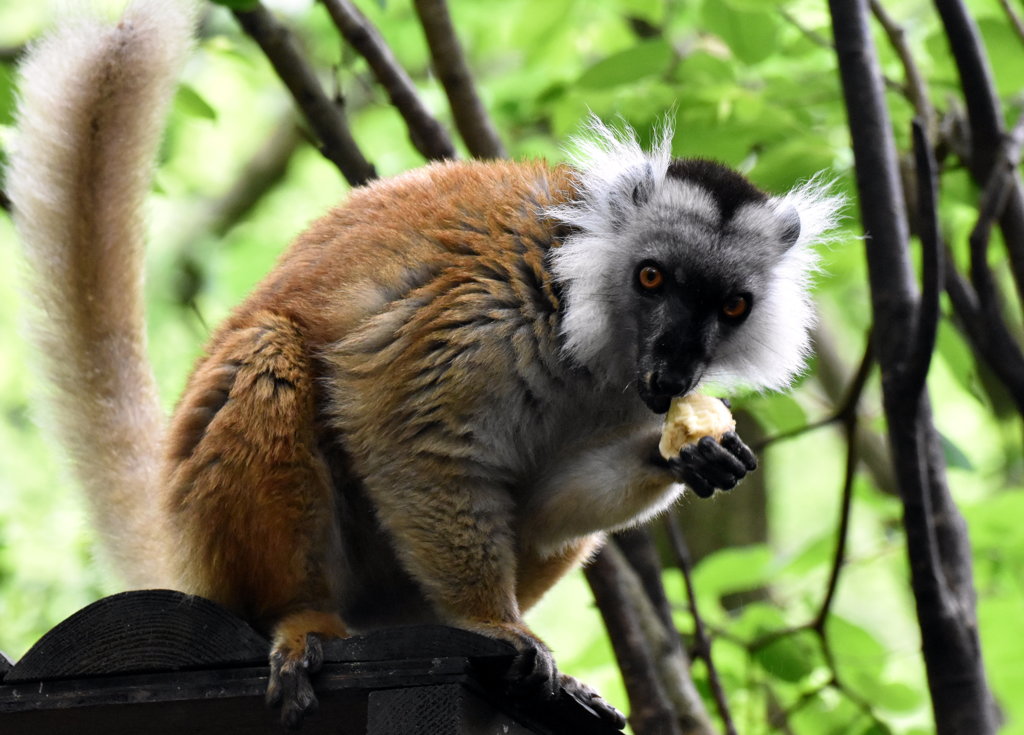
x,y
161,662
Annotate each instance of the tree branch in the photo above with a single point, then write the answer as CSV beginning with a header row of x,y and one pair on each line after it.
x,y
470,116
985,116
936,539
993,201
323,115
426,133
976,304
638,548
991,341
623,604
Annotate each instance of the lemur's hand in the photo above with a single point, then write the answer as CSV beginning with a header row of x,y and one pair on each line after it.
x,y
708,465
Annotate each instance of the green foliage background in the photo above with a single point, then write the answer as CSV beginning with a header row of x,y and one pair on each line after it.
x,y
749,82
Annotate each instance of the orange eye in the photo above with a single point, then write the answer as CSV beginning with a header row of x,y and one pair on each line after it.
x,y
736,307
650,277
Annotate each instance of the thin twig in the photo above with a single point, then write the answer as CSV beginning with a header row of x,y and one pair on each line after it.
x,y
795,432
470,115
1014,16
323,115
426,133
915,89
809,33
5,201
834,377
840,414
702,642
845,507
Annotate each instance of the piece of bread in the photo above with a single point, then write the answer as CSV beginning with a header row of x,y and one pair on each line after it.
x,y
691,417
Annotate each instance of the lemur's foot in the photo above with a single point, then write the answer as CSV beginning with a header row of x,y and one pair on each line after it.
x,y
587,695
709,465
290,687
297,654
532,672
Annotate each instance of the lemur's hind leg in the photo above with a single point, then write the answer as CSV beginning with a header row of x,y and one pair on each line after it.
x,y
251,499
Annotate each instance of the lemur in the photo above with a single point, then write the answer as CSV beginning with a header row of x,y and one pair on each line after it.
x,y
440,399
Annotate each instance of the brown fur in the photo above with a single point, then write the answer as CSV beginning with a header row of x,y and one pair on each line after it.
x,y
348,377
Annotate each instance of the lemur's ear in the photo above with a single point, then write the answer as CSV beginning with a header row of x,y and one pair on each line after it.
x,y
614,176
631,190
808,214
789,226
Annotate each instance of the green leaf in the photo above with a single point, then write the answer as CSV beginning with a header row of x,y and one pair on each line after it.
x,y
733,570
796,159
777,413
895,696
858,653
814,555
189,102
7,97
955,456
1004,52
751,33
792,658
642,60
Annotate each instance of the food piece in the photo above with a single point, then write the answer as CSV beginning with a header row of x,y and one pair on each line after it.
x,y
691,417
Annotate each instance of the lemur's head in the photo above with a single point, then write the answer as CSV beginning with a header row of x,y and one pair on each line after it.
x,y
682,272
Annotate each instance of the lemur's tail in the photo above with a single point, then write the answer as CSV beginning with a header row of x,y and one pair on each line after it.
x,y
90,119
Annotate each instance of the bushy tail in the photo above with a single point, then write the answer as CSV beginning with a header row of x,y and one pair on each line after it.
x,y
91,115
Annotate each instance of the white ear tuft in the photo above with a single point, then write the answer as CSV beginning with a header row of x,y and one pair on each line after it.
x,y
819,207
613,174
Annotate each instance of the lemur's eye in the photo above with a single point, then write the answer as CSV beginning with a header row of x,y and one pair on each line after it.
x,y
736,307
650,277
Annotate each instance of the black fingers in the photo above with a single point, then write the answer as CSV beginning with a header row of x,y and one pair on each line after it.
x,y
741,451
290,687
709,465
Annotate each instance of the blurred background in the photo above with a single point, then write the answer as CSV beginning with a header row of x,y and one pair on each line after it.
x,y
748,82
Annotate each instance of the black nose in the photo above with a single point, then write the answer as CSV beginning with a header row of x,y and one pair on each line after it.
x,y
669,383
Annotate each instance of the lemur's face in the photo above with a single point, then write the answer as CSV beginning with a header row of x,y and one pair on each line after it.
x,y
679,272
681,317
704,250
